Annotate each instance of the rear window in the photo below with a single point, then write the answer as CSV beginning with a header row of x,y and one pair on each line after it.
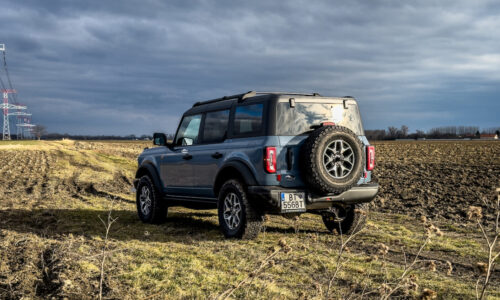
x,y
248,119
302,118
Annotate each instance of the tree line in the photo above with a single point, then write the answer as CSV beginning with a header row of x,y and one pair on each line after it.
x,y
444,132
391,133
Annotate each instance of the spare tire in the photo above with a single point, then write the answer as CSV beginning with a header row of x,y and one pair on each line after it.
x,y
332,160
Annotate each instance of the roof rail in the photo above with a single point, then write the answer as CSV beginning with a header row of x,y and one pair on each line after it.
x,y
240,97
285,93
243,96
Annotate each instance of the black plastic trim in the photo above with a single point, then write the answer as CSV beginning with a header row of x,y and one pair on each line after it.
x,y
154,174
243,169
269,195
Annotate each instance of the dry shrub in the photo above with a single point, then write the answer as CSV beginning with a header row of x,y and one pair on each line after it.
x,y
474,213
428,294
482,268
432,266
450,268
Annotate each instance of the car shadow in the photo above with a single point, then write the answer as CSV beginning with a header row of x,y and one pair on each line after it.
x,y
181,227
55,223
291,230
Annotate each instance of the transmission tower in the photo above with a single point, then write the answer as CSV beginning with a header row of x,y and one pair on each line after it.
x,y
6,106
21,120
26,126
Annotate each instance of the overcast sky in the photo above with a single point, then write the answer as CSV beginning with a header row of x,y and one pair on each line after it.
x,y
133,67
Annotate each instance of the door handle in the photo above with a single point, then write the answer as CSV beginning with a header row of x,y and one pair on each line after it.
x,y
187,156
217,155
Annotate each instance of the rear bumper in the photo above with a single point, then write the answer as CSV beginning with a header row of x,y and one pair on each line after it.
x,y
269,196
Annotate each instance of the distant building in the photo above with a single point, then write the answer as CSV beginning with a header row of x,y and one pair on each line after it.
x,y
490,136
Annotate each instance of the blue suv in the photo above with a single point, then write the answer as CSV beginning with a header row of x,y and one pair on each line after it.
x,y
256,153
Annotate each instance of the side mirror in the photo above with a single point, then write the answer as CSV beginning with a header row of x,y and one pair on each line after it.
x,y
187,141
159,139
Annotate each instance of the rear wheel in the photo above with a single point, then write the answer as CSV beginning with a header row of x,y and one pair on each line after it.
x,y
237,217
348,220
151,208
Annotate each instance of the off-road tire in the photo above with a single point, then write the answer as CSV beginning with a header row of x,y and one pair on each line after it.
x,y
251,218
353,222
158,212
315,174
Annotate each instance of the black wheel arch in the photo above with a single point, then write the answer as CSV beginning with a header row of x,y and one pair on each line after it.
x,y
147,168
233,170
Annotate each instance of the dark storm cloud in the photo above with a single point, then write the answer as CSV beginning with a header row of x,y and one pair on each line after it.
x,y
120,67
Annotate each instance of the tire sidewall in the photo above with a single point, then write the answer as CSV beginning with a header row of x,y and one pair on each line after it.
x,y
236,188
145,181
358,154
316,176
353,222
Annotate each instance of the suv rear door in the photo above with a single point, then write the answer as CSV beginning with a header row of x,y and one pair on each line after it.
x,y
209,154
294,123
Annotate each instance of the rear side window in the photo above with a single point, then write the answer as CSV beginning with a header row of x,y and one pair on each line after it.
x,y
215,128
248,119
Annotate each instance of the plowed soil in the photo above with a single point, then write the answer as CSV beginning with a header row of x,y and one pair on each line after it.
x,y
54,197
437,179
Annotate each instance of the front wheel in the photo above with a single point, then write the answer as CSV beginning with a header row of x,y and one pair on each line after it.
x,y
237,217
151,208
346,221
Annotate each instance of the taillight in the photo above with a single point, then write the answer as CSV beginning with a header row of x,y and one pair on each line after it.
x,y
370,158
270,159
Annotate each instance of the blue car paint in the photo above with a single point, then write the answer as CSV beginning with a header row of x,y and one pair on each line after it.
x,y
203,169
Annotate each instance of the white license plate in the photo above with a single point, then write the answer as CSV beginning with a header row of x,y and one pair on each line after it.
x,y
293,202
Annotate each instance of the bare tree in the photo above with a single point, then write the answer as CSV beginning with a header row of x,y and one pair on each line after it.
x,y
404,131
39,131
393,132
420,134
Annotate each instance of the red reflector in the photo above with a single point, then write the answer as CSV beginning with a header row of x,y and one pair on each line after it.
x,y
328,124
370,158
270,159
278,177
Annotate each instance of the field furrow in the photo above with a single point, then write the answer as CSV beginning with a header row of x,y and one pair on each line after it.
x,y
53,196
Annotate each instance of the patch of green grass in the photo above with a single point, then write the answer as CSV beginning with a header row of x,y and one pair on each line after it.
x,y
21,142
129,164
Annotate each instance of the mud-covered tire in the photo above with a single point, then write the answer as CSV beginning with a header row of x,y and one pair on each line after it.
x,y
250,218
157,211
316,174
354,221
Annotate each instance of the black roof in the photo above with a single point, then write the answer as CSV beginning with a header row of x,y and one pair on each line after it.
x,y
226,101
242,97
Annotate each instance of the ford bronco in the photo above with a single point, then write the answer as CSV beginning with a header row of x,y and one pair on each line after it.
x,y
256,153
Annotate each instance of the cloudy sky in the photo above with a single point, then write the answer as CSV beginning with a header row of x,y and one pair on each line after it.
x,y
133,67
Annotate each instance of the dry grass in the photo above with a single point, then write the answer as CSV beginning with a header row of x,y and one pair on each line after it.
x,y
53,195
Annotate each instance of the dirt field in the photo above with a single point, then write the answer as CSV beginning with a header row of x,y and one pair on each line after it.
x,y
437,179
53,196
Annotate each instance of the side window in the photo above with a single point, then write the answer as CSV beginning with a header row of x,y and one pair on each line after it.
x,y
188,131
216,124
248,119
